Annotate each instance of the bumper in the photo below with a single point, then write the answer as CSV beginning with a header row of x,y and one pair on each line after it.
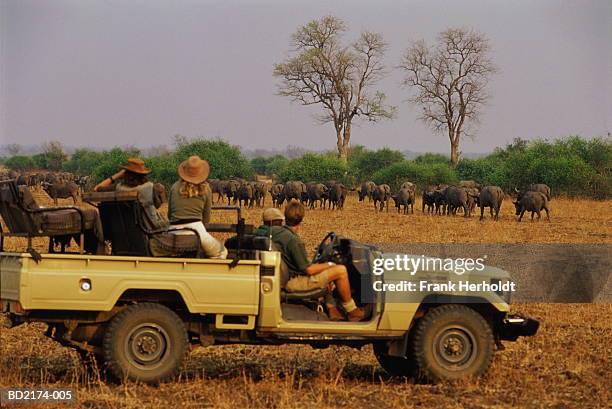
x,y
514,326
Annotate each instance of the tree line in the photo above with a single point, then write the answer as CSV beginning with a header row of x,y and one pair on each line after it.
x,y
446,80
574,166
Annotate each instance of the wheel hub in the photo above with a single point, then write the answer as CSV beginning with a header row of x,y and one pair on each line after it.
x,y
455,348
146,345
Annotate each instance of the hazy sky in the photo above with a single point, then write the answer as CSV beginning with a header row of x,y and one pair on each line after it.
x,y
115,72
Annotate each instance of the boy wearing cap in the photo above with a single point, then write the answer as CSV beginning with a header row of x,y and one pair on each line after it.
x,y
304,276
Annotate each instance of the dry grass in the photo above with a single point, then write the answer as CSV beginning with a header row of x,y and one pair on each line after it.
x,y
566,365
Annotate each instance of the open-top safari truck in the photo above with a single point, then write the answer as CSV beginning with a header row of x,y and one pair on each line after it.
x,y
138,312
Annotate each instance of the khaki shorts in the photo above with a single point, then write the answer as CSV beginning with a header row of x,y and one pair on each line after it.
x,y
308,282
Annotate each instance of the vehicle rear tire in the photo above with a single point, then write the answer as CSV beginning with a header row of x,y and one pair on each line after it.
x,y
145,342
451,342
394,365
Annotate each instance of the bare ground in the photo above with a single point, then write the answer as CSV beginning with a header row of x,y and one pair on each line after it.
x,y
566,365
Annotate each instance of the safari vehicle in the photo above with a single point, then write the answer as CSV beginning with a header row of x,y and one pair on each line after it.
x,y
138,314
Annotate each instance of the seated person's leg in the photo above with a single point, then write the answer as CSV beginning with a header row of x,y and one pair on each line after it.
x,y
211,247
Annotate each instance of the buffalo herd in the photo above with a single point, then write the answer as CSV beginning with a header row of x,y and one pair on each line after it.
x,y
58,185
438,199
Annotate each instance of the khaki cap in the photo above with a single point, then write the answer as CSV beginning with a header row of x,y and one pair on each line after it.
x,y
271,214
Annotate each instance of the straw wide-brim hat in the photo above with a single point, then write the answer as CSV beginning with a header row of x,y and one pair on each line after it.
x,y
137,166
194,170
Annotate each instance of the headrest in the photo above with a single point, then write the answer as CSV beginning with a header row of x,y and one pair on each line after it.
x,y
110,196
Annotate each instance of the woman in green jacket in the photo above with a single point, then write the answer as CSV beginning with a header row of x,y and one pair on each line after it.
x,y
189,204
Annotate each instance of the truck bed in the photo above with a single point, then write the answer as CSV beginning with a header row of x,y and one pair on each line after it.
x,y
54,283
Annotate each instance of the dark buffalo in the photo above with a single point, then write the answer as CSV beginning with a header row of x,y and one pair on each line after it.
x,y
231,190
429,198
260,193
294,190
405,198
317,193
535,187
491,197
61,190
457,197
381,196
439,197
337,196
533,202
366,190
246,195
278,195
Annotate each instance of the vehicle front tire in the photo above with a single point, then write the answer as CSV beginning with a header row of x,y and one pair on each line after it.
x,y
145,342
451,342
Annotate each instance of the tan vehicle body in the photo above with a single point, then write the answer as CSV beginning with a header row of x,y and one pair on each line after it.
x,y
206,286
115,307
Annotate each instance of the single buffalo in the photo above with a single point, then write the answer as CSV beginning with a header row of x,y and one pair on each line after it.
x,y
439,197
337,196
429,198
533,202
366,190
316,193
260,193
405,198
231,189
246,195
381,196
61,190
278,195
457,197
294,190
491,197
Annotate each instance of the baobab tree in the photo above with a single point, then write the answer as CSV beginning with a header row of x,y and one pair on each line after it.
x,y
449,81
322,71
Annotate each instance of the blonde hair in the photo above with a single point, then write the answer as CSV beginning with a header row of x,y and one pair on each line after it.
x,y
188,189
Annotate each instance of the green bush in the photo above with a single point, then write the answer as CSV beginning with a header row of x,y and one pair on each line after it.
x,y
225,160
83,161
20,163
364,163
163,169
432,158
268,166
110,162
277,165
314,168
421,174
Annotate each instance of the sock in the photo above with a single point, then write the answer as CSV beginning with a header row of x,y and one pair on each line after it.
x,y
349,306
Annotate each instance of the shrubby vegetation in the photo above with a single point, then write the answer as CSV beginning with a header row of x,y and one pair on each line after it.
x,y
364,163
314,167
572,166
410,170
20,162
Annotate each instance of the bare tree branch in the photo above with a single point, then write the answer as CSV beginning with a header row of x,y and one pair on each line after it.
x,y
323,72
449,81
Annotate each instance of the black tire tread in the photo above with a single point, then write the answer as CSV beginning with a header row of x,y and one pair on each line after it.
x,y
115,325
423,371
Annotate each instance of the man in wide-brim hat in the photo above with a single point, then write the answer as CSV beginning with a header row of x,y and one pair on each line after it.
x,y
189,204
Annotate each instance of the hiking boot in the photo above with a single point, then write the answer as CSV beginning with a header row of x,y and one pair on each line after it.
x,y
334,313
358,314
